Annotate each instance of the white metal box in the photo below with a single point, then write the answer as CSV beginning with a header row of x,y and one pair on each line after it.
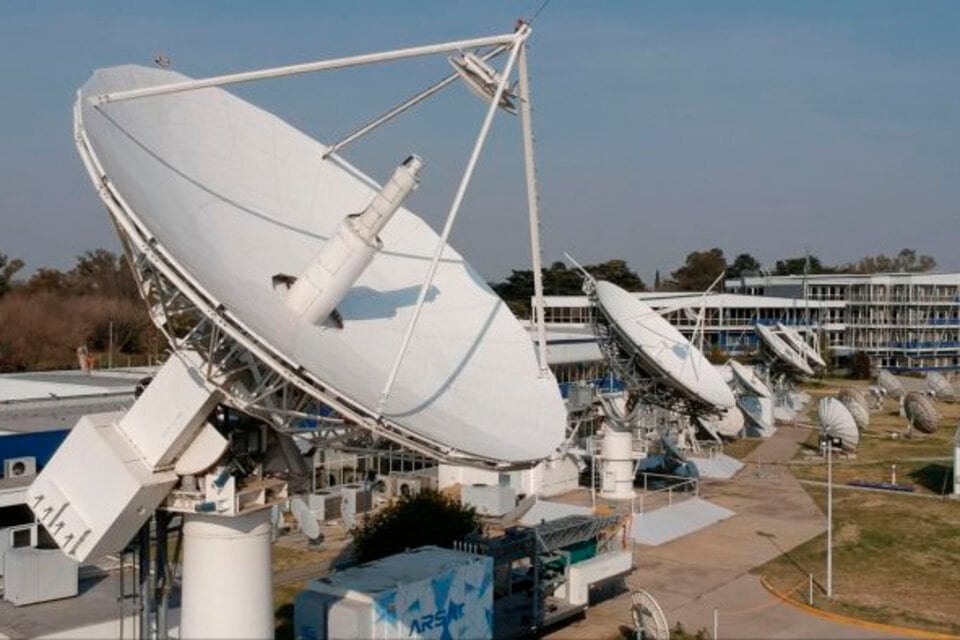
x,y
425,593
17,536
581,576
356,498
325,504
38,575
489,500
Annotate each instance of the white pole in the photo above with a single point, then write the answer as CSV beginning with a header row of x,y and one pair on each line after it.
x,y
451,216
308,67
533,207
829,518
110,350
716,622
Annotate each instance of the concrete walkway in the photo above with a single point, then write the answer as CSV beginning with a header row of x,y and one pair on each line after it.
x,y
711,568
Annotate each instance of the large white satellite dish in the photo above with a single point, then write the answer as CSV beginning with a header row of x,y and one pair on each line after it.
x,y
748,378
836,421
649,622
801,346
730,424
662,349
856,404
219,196
783,352
921,412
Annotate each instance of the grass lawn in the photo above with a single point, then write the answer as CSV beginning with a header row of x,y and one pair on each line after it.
x,y
896,556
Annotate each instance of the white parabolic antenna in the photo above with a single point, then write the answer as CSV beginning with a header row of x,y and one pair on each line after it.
x,y
219,197
748,378
783,351
890,384
648,618
856,404
305,519
801,346
921,412
836,422
664,351
729,425
941,387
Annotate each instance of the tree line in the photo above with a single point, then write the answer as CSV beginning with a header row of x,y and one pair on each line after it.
x,y
45,318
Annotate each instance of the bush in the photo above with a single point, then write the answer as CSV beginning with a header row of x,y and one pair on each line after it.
x,y
860,366
428,518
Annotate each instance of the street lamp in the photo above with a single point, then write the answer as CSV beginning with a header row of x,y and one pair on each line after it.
x,y
831,442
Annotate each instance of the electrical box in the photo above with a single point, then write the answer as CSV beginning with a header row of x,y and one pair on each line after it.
x,y
424,593
489,500
38,575
20,467
325,504
15,537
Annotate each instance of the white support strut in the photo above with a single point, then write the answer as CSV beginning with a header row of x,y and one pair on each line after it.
x,y
519,39
533,207
307,67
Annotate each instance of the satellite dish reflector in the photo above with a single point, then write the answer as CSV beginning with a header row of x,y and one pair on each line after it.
x,y
783,352
941,387
856,404
836,422
226,196
664,351
648,619
305,519
921,412
890,384
801,346
207,447
748,378
730,425
483,80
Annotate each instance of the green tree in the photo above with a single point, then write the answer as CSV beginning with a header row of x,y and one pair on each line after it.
x,y
860,366
8,269
104,272
700,270
428,518
797,266
743,264
907,261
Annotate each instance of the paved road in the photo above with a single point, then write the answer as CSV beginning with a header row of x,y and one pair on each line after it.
x,y
711,568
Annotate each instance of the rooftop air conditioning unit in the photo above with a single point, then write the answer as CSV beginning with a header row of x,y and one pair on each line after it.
x,y
20,467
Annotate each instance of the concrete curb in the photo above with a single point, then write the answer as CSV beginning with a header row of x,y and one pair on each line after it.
x,y
857,622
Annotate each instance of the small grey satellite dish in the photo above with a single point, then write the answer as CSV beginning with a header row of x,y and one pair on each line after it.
x,y
941,387
836,421
856,404
921,412
648,619
890,384
482,79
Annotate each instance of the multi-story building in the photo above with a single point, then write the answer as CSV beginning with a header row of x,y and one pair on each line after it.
x,y
903,321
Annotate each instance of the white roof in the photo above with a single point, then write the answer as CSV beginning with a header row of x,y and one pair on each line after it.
x,y
15,388
663,347
684,299
235,195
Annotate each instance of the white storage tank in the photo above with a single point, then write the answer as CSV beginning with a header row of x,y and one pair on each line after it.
x,y
424,593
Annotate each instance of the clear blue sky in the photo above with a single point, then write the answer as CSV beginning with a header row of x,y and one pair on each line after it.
x,y
663,127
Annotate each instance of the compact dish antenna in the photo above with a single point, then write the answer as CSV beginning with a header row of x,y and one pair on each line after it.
x,y
856,404
836,422
651,355
801,346
782,354
307,522
749,380
890,384
648,619
941,387
921,412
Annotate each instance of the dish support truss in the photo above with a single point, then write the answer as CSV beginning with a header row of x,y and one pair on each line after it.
x,y
641,379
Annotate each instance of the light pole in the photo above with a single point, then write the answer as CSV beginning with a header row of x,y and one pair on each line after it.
x,y
829,517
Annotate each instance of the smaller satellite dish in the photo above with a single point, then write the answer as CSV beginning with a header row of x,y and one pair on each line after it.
x,y
783,352
729,426
921,412
856,404
305,519
748,378
941,387
483,80
836,422
801,346
890,384
648,619
663,350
